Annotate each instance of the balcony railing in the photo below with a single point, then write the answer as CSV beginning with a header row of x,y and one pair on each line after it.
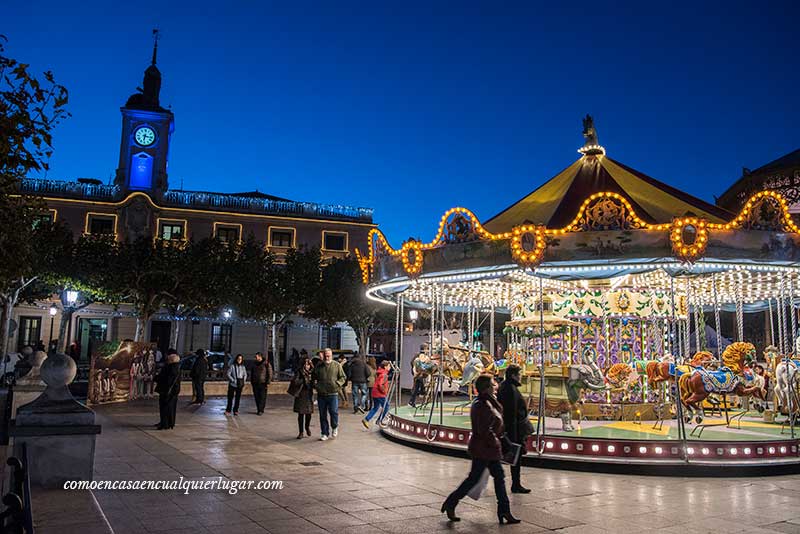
x,y
60,188
268,206
202,200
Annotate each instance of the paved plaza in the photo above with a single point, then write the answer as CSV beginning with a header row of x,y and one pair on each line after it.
x,y
362,483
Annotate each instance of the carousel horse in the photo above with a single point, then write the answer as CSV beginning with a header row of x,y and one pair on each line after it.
x,y
472,370
786,380
622,376
696,386
666,369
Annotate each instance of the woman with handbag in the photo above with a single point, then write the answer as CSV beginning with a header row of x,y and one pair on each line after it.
x,y
237,374
515,419
168,386
302,390
486,451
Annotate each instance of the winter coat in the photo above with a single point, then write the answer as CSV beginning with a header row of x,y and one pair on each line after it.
x,y
199,368
236,372
359,371
168,382
515,412
381,387
261,373
487,428
304,402
329,378
371,377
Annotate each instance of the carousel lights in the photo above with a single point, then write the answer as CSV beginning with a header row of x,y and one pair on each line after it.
x,y
689,251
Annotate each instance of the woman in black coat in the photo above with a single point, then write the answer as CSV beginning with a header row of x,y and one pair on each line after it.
x,y
168,386
303,398
515,419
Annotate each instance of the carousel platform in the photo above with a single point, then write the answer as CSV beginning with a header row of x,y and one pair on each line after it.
x,y
743,443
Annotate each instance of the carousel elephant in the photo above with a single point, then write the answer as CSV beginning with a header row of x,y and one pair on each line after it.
x,y
586,375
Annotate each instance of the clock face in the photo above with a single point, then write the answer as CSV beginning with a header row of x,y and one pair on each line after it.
x,y
145,136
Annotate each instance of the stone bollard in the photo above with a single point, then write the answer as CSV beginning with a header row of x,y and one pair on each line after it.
x,y
58,430
30,386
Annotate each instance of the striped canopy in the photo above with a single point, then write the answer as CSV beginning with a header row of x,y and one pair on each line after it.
x,y
556,202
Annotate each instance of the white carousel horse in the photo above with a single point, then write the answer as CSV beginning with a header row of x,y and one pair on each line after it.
x,y
786,379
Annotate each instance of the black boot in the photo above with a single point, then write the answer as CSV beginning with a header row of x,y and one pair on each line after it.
x,y
508,518
516,484
450,510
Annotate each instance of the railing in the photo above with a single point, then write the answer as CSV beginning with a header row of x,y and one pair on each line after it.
x,y
17,518
199,199
69,189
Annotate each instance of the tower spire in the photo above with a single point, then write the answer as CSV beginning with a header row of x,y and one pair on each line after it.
x,y
156,36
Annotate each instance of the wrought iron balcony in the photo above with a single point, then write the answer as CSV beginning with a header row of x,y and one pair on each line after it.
x,y
58,188
268,206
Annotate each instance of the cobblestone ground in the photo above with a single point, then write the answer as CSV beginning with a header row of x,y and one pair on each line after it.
x,y
363,483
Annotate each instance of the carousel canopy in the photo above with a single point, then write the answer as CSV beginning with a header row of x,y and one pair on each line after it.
x,y
555,202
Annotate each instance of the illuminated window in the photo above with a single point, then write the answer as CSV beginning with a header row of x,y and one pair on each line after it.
x,y
43,219
227,234
172,231
281,238
221,335
101,225
334,241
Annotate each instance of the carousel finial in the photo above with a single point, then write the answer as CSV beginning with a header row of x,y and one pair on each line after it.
x,y
592,146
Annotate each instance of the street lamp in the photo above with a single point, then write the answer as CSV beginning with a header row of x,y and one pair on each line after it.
x,y
413,315
72,297
53,311
226,313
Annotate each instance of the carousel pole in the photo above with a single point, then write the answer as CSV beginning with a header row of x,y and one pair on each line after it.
x,y
399,347
441,360
540,419
771,325
687,326
793,316
678,403
782,326
739,310
716,317
397,335
491,331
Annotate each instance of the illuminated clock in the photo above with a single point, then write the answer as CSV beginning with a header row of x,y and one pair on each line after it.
x,y
144,136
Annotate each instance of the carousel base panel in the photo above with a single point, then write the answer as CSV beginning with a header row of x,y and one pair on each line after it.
x,y
742,445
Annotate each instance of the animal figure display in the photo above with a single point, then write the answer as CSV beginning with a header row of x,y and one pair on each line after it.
x,y
787,381
667,370
696,386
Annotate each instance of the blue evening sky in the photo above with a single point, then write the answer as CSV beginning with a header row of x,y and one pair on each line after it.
x,y
412,107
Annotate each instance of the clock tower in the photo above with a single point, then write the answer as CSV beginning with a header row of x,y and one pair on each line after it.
x,y
146,132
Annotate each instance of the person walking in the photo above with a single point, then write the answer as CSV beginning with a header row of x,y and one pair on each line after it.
x,y
515,420
199,373
329,379
359,373
303,392
260,377
373,368
379,392
237,374
486,451
168,386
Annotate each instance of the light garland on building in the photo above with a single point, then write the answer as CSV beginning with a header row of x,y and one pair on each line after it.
x,y
688,252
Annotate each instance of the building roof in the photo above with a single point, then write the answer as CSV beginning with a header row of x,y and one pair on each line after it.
x,y
782,174
556,202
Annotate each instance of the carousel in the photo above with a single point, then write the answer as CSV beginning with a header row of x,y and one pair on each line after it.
x,y
651,327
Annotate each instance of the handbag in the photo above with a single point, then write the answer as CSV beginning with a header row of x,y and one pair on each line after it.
x,y
239,383
295,387
511,456
477,490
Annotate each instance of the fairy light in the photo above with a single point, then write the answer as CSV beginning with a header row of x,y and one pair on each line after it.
x,y
688,252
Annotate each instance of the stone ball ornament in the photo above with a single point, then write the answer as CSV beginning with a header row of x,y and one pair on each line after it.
x,y
59,371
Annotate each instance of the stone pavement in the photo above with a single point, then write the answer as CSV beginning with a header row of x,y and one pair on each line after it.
x,y
363,483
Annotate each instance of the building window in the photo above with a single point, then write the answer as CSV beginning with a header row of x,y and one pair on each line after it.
x,y
221,337
334,241
227,233
101,224
281,237
44,219
331,337
30,329
172,230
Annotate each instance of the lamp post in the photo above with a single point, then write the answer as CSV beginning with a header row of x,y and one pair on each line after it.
x,y
70,297
53,311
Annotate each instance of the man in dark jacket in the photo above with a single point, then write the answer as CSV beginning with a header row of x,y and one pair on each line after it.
x,y
260,377
515,419
358,373
168,386
199,373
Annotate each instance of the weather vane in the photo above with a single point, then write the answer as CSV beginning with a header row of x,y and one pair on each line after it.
x,y
156,37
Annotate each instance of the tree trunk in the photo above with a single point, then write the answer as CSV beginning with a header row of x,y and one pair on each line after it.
x,y
66,317
274,345
175,337
5,322
141,326
363,341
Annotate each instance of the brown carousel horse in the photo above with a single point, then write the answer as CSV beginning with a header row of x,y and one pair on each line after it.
x,y
658,372
696,386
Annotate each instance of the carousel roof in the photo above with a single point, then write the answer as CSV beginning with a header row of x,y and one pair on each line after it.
x,y
554,203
